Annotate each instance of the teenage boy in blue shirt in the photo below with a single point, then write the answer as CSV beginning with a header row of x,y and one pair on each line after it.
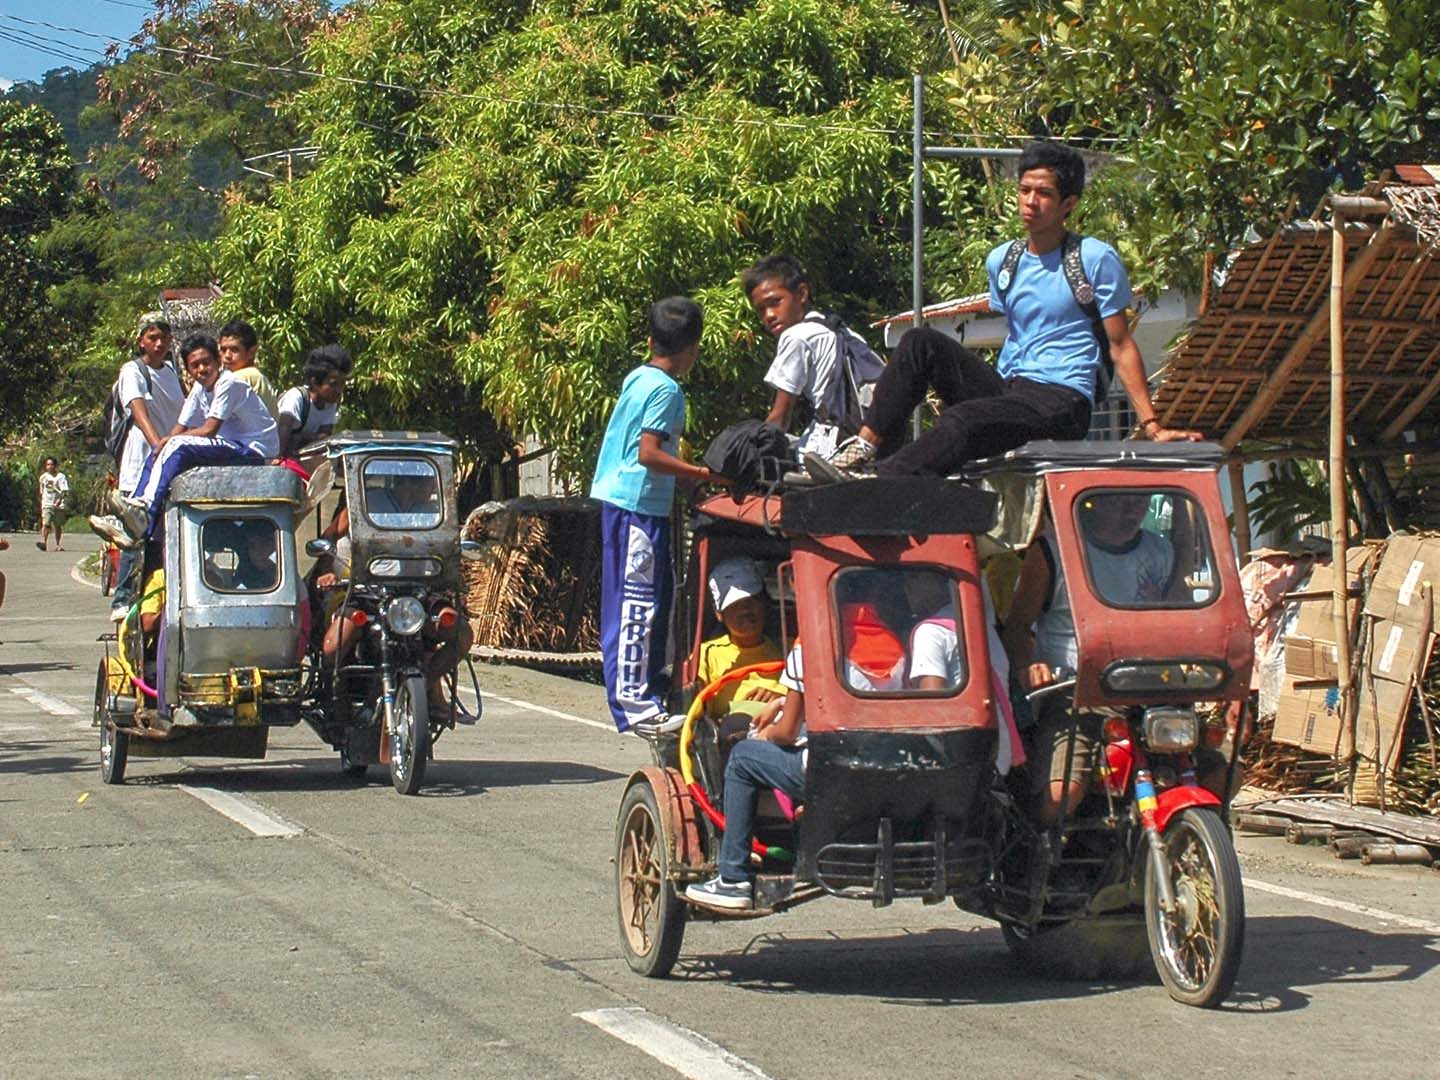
x,y
1044,382
635,484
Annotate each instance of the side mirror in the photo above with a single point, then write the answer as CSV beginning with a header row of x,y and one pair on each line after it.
x,y
319,548
471,549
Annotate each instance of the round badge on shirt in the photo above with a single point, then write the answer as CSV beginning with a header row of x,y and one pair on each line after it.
x,y
1004,280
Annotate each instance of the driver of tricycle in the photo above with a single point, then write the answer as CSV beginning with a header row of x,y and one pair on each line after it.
x,y
1129,565
342,629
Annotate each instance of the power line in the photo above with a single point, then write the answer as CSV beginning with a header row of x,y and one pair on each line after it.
x,y
558,106
7,35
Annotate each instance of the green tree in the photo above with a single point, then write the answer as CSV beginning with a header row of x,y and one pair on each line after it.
x,y
35,178
1220,117
504,187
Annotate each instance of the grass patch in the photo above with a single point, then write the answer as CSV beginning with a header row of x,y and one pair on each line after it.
x,y
90,565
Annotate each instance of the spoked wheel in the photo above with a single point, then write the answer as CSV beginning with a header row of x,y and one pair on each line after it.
x,y
114,752
652,918
1197,947
114,744
107,571
410,736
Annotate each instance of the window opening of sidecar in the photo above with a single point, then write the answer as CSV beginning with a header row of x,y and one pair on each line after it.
x,y
1146,548
897,626
240,554
402,493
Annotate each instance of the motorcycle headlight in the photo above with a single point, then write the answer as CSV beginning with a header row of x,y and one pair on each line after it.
x,y
405,615
1171,731
1167,677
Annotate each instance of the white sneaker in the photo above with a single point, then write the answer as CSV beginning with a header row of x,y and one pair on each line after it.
x,y
135,515
109,527
661,725
118,613
853,453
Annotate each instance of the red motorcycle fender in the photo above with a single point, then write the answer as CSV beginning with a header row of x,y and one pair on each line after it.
x,y
682,830
1172,800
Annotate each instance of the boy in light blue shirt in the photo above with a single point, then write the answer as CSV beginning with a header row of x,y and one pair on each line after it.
x,y
1048,372
635,484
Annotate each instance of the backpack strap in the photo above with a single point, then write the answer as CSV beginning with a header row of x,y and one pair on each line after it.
x,y
1080,288
304,409
851,415
1008,266
1084,293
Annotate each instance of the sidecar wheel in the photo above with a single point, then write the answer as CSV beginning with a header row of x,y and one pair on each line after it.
x,y
410,740
114,752
1197,949
651,915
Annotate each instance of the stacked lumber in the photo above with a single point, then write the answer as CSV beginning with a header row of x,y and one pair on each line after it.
x,y
536,585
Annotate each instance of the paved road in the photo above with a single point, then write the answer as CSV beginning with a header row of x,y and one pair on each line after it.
x,y
463,933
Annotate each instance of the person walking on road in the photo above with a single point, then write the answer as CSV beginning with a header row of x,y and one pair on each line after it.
x,y
54,490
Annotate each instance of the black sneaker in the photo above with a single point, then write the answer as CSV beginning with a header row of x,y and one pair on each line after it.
x,y
722,894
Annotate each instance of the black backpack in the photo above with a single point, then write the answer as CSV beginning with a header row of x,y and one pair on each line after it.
x,y
118,420
857,395
750,454
1081,289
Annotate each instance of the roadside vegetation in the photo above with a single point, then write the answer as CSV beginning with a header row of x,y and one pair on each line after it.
x,y
492,192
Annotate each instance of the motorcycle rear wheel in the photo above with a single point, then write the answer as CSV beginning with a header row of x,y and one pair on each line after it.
x,y
1197,949
410,739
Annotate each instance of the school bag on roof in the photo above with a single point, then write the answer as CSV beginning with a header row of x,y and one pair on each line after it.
x,y
118,420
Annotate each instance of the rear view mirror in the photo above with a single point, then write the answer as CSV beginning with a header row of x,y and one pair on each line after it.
x,y
319,548
471,549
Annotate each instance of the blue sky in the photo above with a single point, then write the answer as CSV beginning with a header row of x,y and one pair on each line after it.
x,y
109,18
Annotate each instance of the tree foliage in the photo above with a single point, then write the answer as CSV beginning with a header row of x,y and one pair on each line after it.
x,y
1222,116
35,178
489,226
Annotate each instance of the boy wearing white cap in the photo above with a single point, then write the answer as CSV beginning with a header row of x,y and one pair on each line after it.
x,y
739,596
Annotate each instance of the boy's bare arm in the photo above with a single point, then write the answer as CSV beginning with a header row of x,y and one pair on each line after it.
x,y
1131,369
657,460
781,410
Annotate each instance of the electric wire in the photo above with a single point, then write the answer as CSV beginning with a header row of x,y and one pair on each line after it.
x,y
557,106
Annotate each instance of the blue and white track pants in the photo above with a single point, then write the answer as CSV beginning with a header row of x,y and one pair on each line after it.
x,y
181,452
636,587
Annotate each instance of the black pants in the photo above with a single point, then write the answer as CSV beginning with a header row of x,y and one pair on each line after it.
x,y
984,414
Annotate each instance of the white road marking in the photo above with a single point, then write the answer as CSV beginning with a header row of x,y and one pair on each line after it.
x,y
41,700
490,696
683,1050
1379,914
75,575
243,812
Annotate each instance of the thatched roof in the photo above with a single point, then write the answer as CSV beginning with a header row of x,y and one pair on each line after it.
x,y
1256,365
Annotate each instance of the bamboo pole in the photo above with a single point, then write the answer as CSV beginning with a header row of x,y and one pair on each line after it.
x,y
1312,331
1240,506
1339,510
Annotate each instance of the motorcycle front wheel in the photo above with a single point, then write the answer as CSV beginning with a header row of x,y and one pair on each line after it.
x,y
1197,947
410,736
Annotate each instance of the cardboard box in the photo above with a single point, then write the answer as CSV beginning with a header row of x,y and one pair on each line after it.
x,y
1381,708
1308,658
1397,589
1317,615
1395,649
1308,719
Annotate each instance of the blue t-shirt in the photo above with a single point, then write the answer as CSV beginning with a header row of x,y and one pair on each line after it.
x,y
1050,340
652,401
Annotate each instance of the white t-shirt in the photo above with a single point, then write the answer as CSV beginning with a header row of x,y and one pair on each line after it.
x,y
804,365
242,415
935,649
321,416
53,488
163,402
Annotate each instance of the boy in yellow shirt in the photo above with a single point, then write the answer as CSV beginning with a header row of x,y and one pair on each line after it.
x,y
739,596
